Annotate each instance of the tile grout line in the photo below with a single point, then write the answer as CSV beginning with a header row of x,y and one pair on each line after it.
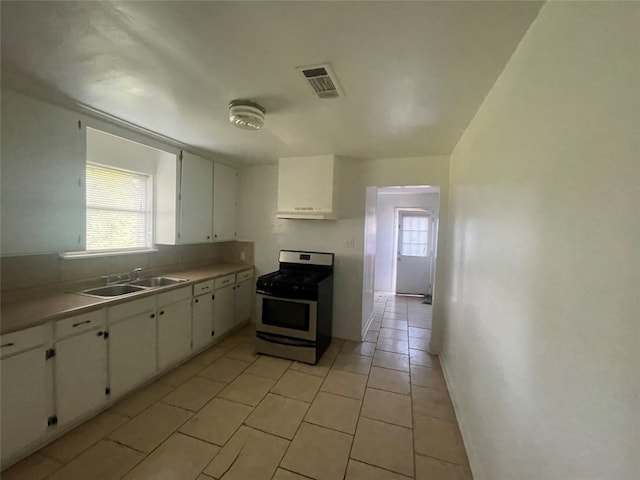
x,y
445,461
302,421
106,436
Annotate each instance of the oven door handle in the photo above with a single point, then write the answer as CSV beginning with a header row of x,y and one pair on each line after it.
x,y
266,294
285,299
285,341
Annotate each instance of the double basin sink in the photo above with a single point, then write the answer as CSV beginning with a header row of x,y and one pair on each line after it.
x,y
132,286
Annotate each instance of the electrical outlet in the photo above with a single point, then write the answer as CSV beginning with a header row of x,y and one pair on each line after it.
x,y
351,243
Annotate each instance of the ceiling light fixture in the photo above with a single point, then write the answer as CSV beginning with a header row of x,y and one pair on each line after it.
x,y
246,114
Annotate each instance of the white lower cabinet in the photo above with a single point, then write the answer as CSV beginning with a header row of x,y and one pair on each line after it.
x,y
101,355
202,326
80,369
233,303
223,308
244,300
174,326
25,392
132,344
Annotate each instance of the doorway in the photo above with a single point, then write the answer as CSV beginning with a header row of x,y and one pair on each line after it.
x,y
394,261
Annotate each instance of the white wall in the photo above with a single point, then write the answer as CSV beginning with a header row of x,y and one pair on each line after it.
x,y
386,231
258,188
541,346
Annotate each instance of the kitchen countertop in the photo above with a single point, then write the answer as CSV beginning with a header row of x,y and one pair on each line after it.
x,y
21,314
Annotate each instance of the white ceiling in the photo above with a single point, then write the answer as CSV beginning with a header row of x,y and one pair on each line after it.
x,y
413,73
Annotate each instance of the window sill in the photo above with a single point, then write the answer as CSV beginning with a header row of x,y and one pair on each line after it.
x,y
108,253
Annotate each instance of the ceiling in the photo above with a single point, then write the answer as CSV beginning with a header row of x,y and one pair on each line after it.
x,y
413,73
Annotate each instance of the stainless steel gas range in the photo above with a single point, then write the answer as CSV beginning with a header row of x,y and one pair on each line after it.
x,y
295,305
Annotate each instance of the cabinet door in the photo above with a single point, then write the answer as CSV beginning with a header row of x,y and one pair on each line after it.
x,y
80,375
223,310
24,401
174,332
132,352
202,328
196,197
244,301
225,192
43,170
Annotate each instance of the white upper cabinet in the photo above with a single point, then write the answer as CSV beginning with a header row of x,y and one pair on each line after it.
x,y
196,196
184,196
43,169
225,198
307,187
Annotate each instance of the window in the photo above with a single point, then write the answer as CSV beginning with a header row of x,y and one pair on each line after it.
x,y
415,235
119,209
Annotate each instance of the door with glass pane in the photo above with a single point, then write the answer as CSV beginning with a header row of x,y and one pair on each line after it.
x,y
415,252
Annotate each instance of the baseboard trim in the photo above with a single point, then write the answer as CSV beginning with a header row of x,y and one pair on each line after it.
x,y
464,431
367,325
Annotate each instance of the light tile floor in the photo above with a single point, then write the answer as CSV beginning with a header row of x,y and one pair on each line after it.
x,y
376,410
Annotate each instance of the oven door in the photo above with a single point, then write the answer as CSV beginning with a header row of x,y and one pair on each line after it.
x,y
287,317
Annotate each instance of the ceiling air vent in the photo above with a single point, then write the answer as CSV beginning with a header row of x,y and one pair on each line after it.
x,y
322,80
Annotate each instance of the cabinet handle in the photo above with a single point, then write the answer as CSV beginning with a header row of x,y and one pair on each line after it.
x,y
215,236
10,344
208,237
100,334
80,323
161,312
153,315
196,300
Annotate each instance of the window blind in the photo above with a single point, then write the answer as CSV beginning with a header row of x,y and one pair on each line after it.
x,y
118,209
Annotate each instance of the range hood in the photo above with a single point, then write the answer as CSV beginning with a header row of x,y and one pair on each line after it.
x,y
308,187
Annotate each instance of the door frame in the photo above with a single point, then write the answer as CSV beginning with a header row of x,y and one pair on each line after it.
x,y
370,239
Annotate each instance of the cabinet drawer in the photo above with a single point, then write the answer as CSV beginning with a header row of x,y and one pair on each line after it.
x,y
204,287
129,309
174,296
244,275
22,340
226,280
80,323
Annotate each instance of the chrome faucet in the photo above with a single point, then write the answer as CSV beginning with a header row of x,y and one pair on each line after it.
x,y
135,273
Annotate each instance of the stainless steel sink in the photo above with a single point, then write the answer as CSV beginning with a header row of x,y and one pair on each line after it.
x,y
157,281
113,290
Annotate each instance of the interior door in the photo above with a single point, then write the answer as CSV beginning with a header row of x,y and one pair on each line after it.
x,y
415,252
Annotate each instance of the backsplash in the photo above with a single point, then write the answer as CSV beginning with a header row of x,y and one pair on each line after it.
x,y
49,270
